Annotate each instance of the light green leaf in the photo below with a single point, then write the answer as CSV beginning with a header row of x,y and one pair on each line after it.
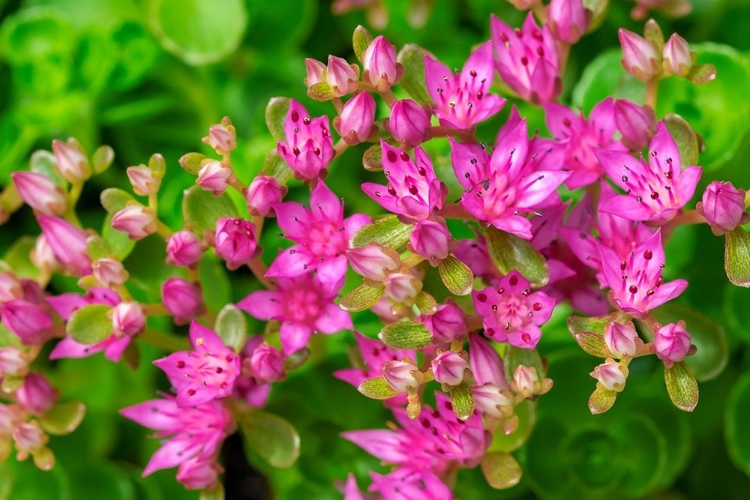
x,y
361,39
276,112
684,137
462,401
275,166
387,231
737,257
102,159
593,343
681,386
412,58
601,400
320,91
90,324
271,437
115,199
501,470
376,388
406,335
231,326
202,209
191,162
372,160
516,356
361,298
510,252
456,276
63,418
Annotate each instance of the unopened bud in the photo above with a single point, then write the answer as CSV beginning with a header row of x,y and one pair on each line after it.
x,y
29,437
143,180
341,76
447,323
10,287
611,374
355,124
409,123
215,176
636,123
379,63
136,221
678,59
128,318
527,383
402,288
672,343
182,299
235,241
432,240
490,401
109,272
262,194
315,72
373,261
13,362
68,243
621,339
40,193
72,163
267,364
568,20
184,249
402,375
723,207
31,323
639,56
36,395
222,137
450,368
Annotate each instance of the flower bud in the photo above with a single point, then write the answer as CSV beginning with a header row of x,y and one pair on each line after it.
x,y
486,365
31,323
677,57
29,437
723,207
143,180
40,193
136,221
402,288
184,249
215,176
10,287
490,401
36,395
357,118
447,323
182,299
527,382
128,318
524,4
568,20
109,272
637,124
373,261
198,473
235,241
68,243
267,364
222,137
432,240
402,375
450,368
262,194
316,72
612,375
379,63
43,257
72,163
621,339
341,76
639,57
409,123
672,343
13,362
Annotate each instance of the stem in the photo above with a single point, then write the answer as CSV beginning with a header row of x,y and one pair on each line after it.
x,y
163,230
73,195
445,131
412,261
164,340
563,50
259,269
455,211
652,91
10,201
338,104
540,11
685,218
340,147
155,310
258,225
389,97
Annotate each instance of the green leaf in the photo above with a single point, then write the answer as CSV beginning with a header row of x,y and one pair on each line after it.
x,y
63,418
276,112
118,242
18,257
604,77
601,400
387,231
737,257
681,386
320,91
425,302
33,34
376,388
593,343
115,199
412,58
405,335
97,247
215,493
598,9
372,160
510,252
45,163
191,162
501,470
102,159
684,137
462,401
652,32
736,417
217,289
231,326
274,439
90,324
702,73
516,356
361,298
202,209
456,276
361,39
275,166
594,324
198,31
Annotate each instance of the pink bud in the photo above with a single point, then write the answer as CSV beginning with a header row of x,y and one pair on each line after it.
x,y
526,382
136,221
68,243
262,194
568,20
316,72
9,417
672,343
447,323
621,339
10,287
71,162
723,207
486,365
29,437
402,375
402,288
637,124
611,375
450,368
409,123
222,137
267,364
235,241
215,176
40,193
341,76
198,473
490,401
357,118
128,318
43,257
677,57
373,261
13,362
109,272
182,299
184,249
639,57
143,180
31,323
379,62
432,240
36,395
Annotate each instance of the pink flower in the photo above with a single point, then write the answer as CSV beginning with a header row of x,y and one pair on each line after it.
x,y
511,313
262,194
462,99
36,395
432,240
527,59
136,221
637,124
568,20
267,364
677,56
215,176
308,148
447,323
68,244
355,124
655,190
184,249
40,193
235,242
639,56
321,234
206,372
183,300
636,281
723,206
450,368
303,305
72,163
380,66
30,322
406,483
413,190
672,343
409,123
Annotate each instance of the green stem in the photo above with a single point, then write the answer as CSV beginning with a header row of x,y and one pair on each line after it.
x,y
164,340
259,269
73,195
163,230
652,92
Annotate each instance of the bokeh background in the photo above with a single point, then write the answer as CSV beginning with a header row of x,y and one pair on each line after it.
x,y
147,76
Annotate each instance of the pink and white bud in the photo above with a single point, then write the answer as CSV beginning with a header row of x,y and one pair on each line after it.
x,y
527,382
36,395
621,339
262,194
341,76
184,249
215,176
672,343
13,362
68,243
637,124
267,364
490,401
486,365
678,60
222,137
29,438
183,300
128,318
144,180
199,473
402,288
136,221
373,261
72,163
379,62
30,322
568,20
639,56
432,240
447,323
402,375
612,375
355,124
40,193
723,207
109,272
450,368
10,287
235,241
316,72
409,123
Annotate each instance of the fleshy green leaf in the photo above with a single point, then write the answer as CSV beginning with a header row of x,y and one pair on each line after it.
x,y
425,302
510,252
18,257
90,324
231,326
681,386
598,10
44,162
456,276
271,437
406,335
215,493
412,58
462,401
684,137
737,257
501,470
114,199
320,91
387,231
372,160
601,400
118,242
276,112
516,356
593,343
361,298
97,247
361,39
594,324
63,418
652,32
202,209
191,162
102,159
275,166
702,73
376,388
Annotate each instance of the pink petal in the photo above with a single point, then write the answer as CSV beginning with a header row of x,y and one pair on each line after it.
x,y
481,62
156,414
332,270
325,205
435,74
544,81
514,224
547,306
69,348
602,119
333,319
617,163
469,163
486,365
539,186
294,220
510,154
292,262
352,376
381,196
354,223
610,266
262,305
515,337
688,180
513,121
561,121
627,207
385,445
116,347
171,454
663,146
203,338
67,303
667,292
294,336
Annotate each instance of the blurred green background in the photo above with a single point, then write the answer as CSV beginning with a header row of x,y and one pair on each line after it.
x,y
151,75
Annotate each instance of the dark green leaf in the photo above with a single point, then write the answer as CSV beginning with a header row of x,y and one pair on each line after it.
x,y
406,335
271,437
90,324
387,231
681,386
412,57
510,252
501,470
456,276
276,112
